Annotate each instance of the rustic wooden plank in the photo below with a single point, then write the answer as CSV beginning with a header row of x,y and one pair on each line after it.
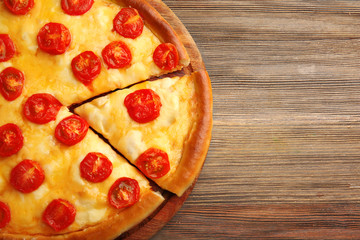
x,y
284,158
285,221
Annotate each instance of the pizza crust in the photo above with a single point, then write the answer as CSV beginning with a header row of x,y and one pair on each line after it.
x,y
159,26
196,62
196,146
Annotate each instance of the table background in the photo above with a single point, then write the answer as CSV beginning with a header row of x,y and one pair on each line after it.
x,y
284,158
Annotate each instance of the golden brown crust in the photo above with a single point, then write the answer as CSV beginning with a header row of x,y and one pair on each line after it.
x,y
110,228
157,24
197,63
196,146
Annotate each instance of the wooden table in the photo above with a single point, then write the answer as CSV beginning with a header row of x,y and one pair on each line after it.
x,y
284,161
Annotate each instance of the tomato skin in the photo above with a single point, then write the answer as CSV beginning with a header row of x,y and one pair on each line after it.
x,y
11,139
95,167
11,83
76,8
86,67
154,163
27,176
71,130
5,214
117,55
54,38
166,56
59,214
18,7
124,192
143,105
128,23
41,108
7,48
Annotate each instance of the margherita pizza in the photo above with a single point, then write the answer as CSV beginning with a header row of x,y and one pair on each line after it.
x,y
102,109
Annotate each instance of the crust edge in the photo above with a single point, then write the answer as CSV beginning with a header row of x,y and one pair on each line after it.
x,y
197,146
160,27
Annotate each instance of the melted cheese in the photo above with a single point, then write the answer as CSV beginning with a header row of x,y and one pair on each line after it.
x,y
62,174
46,72
133,143
108,115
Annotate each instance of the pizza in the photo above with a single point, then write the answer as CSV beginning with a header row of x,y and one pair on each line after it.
x,y
102,110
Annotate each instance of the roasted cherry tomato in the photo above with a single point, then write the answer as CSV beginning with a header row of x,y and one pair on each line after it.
x,y
86,67
71,130
27,176
19,7
59,214
11,140
154,163
125,192
166,56
41,108
5,215
95,167
143,105
7,48
76,7
54,38
128,23
11,83
117,55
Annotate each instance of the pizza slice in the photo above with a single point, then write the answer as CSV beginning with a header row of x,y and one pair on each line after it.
x,y
88,47
160,126
59,178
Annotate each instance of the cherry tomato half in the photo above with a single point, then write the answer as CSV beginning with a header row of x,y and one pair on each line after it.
x,y
143,105
86,67
117,55
71,130
11,83
7,48
95,167
41,108
54,38
19,7
125,192
11,140
27,176
166,56
76,7
59,214
154,163
5,214
128,23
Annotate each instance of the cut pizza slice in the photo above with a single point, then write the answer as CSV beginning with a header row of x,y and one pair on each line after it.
x,y
59,178
80,54
163,127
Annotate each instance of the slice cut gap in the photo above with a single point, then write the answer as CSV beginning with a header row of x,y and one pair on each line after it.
x,y
178,73
153,185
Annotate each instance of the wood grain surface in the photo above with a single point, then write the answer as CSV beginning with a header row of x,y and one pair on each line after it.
x,y
284,162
